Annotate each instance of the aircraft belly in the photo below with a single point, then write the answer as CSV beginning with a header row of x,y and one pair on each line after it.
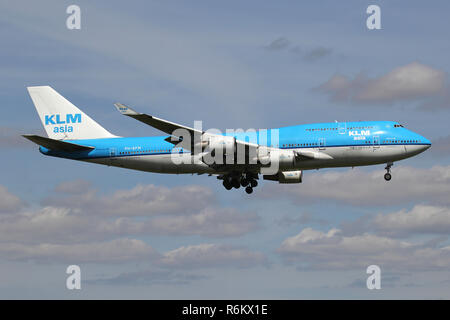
x,y
155,163
351,156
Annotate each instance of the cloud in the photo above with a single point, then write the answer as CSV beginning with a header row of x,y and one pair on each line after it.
x,y
313,54
358,187
405,83
278,44
141,200
8,201
73,187
419,220
75,223
308,54
115,251
148,277
209,222
303,218
49,224
314,249
211,255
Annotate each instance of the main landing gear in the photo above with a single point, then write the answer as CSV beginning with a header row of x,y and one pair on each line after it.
x,y
247,181
388,175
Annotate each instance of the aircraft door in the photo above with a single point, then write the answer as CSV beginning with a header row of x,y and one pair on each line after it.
x,y
322,144
376,142
112,154
342,127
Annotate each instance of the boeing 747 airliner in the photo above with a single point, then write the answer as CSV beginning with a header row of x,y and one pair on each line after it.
x,y
237,157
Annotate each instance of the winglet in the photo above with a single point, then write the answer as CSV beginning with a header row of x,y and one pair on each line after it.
x,y
123,109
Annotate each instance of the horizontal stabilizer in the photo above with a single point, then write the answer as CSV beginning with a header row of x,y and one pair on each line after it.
x,y
56,145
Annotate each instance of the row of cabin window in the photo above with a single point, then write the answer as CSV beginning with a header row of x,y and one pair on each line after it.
x,y
398,141
367,142
350,128
300,145
145,151
403,141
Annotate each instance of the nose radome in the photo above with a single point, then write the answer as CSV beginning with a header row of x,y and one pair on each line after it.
x,y
426,142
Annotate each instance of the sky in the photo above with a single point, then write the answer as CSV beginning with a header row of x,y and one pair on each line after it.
x,y
231,64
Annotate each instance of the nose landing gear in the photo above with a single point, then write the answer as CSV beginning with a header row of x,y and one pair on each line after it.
x,y
387,175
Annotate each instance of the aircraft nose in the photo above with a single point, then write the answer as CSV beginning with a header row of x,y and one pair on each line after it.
x,y
426,144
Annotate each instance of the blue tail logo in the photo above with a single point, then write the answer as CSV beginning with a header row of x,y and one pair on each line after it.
x,y
58,119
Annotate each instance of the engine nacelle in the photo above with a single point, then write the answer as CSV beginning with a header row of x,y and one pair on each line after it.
x,y
286,176
283,159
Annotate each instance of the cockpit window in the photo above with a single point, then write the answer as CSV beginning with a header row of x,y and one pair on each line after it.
x,y
398,126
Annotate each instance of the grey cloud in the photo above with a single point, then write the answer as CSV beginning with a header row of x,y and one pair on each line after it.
x,y
209,222
114,251
419,220
278,44
309,54
73,187
49,224
8,201
77,224
316,53
63,225
358,187
211,255
303,218
313,249
148,277
409,82
142,200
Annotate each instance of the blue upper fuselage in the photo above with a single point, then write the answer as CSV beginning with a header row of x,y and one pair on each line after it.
x,y
320,135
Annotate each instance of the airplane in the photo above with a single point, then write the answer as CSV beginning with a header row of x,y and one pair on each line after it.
x,y
236,158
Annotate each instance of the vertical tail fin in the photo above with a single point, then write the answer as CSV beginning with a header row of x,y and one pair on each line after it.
x,y
61,119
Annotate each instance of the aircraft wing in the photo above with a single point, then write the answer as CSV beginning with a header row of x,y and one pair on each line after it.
x,y
198,136
160,124
171,127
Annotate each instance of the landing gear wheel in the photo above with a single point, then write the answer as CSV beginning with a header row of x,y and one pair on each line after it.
x,y
249,190
227,185
236,183
244,182
253,183
388,176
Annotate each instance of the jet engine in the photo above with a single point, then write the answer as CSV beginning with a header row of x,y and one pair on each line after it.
x,y
286,176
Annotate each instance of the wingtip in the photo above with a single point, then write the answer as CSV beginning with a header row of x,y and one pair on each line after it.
x,y
123,109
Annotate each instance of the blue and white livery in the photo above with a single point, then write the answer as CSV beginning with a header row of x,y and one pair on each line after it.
x,y
237,158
